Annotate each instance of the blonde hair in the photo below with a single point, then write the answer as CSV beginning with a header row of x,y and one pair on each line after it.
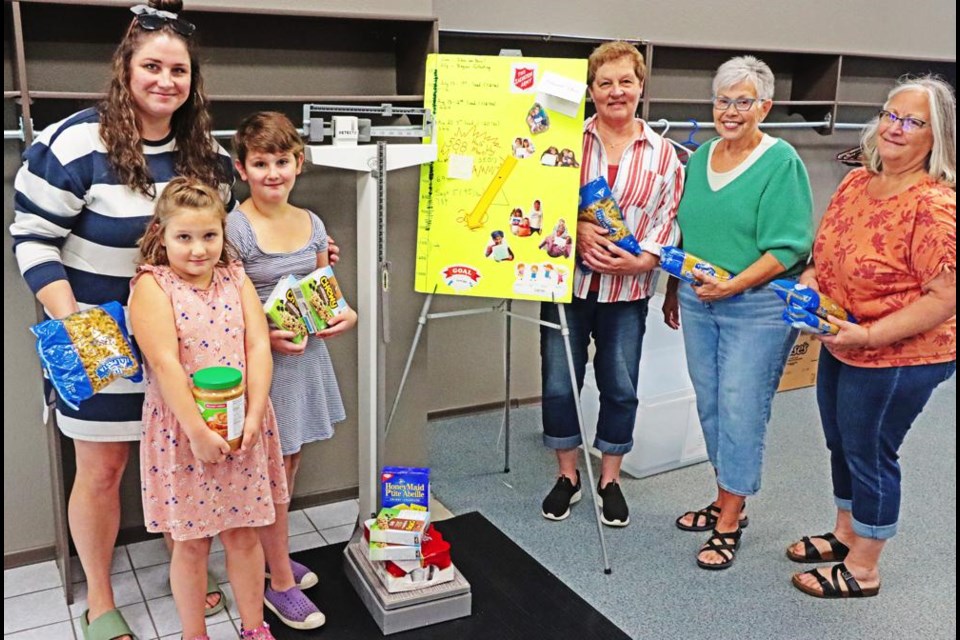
x,y
942,161
610,51
180,194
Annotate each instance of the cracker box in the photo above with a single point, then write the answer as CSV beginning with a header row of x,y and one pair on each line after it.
x,y
399,526
323,297
405,486
285,309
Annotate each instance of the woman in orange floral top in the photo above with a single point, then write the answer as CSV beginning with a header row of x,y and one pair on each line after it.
x,y
887,251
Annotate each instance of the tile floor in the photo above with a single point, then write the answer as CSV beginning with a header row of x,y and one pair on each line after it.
x,y
34,607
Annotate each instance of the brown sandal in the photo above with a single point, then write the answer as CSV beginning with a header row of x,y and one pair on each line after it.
x,y
725,545
831,588
837,553
709,515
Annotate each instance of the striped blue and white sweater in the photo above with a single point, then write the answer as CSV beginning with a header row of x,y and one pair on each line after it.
x,y
74,222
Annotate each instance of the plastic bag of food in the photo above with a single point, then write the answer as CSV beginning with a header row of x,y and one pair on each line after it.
x,y
802,296
681,264
598,205
808,322
86,351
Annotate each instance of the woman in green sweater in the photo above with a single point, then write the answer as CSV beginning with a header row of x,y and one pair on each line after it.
x,y
746,207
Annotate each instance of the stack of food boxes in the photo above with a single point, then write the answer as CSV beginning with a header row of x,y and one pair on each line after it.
x,y
406,551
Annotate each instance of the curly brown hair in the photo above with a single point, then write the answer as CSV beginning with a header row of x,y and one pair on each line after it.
x,y
180,194
196,154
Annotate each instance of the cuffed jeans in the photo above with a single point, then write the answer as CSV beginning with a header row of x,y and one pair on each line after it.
x,y
736,350
617,330
866,414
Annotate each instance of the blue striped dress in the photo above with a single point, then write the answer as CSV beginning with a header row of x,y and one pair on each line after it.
x,y
304,392
74,221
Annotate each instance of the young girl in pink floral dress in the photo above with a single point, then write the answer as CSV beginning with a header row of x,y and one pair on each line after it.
x,y
191,308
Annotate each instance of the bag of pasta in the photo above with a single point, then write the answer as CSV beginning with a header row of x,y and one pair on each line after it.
x,y
598,205
84,352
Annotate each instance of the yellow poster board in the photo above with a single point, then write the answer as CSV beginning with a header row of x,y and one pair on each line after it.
x,y
498,208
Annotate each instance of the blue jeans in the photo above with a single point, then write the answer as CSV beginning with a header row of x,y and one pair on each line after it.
x,y
736,351
866,413
617,330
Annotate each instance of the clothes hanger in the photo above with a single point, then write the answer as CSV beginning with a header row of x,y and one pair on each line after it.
x,y
852,157
683,153
690,143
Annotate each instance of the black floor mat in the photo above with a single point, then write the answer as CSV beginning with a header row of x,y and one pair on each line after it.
x,y
514,597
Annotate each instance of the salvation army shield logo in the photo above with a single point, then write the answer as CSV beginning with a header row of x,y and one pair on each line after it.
x,y
524,77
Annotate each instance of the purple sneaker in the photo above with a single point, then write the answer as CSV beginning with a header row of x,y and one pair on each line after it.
x,y
294,608
302,575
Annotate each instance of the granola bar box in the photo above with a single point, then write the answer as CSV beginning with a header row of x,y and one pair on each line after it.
x,y
400,526
285,311
323,297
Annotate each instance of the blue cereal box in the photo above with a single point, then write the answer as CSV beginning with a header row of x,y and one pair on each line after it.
x,y
405,485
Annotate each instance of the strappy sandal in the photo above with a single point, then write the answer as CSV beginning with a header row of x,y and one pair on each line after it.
x,y
709,515
831,588
725,544
837,553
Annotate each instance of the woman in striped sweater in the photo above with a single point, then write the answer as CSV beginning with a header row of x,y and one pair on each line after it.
x,y
83,197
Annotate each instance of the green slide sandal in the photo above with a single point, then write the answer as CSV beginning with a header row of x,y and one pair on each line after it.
x,y
107,627
213,587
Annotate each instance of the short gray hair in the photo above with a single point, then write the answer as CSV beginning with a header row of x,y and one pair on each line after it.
x,y
942,162
741,68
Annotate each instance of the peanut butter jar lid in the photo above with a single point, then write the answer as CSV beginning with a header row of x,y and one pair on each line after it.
x,y
217,378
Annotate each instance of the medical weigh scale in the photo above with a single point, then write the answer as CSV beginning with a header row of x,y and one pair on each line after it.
x,y
393,612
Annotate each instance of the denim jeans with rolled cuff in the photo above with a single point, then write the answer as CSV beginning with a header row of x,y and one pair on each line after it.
x,y
736,350
617,330
866,413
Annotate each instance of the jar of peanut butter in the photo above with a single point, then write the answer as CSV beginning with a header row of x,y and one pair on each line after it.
x,y
219,395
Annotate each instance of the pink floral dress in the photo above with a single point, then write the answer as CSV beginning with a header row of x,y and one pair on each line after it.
x,y
182,495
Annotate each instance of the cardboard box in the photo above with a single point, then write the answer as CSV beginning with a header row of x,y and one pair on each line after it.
x,y
801,369
408,486
399,526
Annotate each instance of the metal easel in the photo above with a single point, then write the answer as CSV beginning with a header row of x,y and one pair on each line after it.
x,y
505,307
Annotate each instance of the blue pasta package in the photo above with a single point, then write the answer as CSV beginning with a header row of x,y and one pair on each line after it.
x,y
86,351
802,296
808,322
597,205
405,485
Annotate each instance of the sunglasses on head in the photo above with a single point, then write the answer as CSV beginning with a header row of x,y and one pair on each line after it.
x,y
150,19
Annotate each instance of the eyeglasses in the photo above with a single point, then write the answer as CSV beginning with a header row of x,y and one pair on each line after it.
x,y
740,104
154,20
907,123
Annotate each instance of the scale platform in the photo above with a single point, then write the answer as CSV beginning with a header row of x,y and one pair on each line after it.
x,y
396,612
